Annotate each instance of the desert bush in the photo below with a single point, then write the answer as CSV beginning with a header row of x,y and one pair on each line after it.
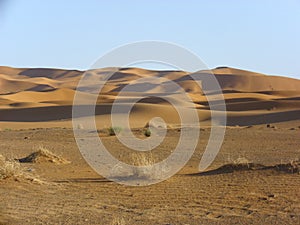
x,y
114,130
9,168
147,132
142,159
118,221
144,169
241,160
292,167
43,155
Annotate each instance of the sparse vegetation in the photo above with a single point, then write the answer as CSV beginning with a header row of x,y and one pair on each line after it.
x,y
79,126
242,164
144,169
9,168
147,132
118,221
43,155
241,160
142,159
114,130
292,167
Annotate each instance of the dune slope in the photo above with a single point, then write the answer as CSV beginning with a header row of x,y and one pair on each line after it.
x,y
46,95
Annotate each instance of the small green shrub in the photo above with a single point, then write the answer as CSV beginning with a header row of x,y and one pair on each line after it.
x,y
114,130
147,132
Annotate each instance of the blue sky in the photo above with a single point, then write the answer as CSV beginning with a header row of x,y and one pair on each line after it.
x,y
257,35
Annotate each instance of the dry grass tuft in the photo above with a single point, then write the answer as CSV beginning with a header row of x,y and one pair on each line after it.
x,y
292,167
241,160
242,164
142,159
144,167
10,168
143,162
43,155
118,221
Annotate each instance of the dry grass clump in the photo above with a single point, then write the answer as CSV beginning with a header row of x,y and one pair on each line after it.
x,y
144,167
118,221
240,163
43,155
10,168
292,167
142,159
241,160
143,162
141,169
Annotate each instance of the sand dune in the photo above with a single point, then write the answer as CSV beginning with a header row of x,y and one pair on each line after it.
x,y
41,95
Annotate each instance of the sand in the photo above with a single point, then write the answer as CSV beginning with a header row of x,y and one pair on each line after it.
x,y
250,181
43,95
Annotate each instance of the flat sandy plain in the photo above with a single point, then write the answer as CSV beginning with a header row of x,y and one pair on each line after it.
x,y
246,184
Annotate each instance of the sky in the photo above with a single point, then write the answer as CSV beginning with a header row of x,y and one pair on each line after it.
x,y
257,35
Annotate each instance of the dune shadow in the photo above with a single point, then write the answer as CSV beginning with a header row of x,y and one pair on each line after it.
x,y
264,118
51,113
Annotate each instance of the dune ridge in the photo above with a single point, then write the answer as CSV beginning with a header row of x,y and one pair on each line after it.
x,y
45,95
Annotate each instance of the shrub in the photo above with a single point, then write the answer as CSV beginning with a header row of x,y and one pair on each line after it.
x,y
43,155
147,132
118,221
114,130
9,168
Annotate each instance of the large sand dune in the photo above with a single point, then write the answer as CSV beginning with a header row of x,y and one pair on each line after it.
x,y
46,95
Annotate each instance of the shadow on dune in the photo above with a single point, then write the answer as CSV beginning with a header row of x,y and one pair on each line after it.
x,y
51,73
52,113
263,118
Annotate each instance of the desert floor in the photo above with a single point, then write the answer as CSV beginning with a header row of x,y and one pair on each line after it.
x,y
74,194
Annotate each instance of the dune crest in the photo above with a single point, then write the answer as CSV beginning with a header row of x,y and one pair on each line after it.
x,y
35,95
